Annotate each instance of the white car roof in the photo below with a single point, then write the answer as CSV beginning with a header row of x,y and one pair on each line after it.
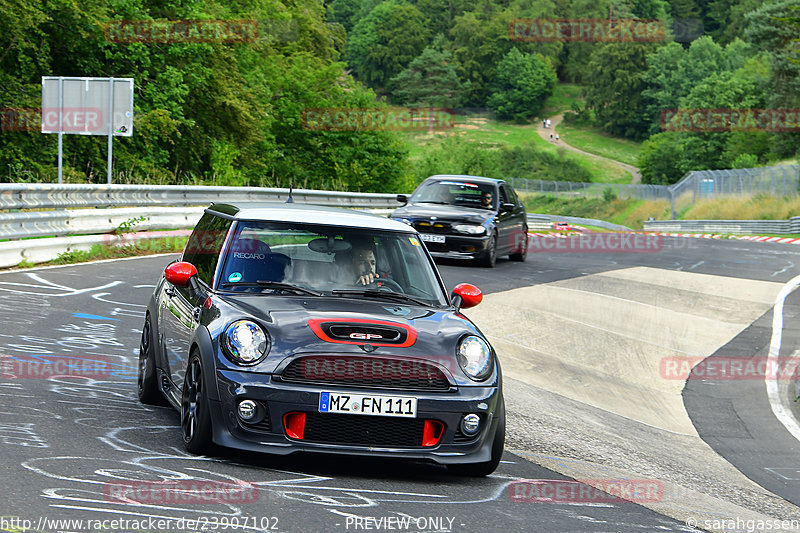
x,y
308,214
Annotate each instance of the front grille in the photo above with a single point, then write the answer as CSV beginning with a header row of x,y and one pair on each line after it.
x,y
359,430
374,372
432,227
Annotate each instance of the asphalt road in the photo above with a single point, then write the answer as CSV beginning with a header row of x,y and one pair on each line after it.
x,y
67,442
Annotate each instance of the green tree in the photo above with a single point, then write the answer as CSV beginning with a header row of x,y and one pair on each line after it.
x,y
774,28
523,82
344,12
430,80
615,93
384,42
660,159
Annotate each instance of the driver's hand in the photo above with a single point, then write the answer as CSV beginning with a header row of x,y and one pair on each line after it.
x,y
367,279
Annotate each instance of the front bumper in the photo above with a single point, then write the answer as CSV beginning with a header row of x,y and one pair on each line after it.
x,y
459,246
280,398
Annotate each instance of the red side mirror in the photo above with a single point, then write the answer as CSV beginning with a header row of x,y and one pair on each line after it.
x,y
179,273
470,295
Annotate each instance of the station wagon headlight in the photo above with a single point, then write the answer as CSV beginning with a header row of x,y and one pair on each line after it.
x,y
475,357
245,343
469,228
403,220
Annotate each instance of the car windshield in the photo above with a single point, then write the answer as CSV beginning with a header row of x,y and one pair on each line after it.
x,y
460,193
328,260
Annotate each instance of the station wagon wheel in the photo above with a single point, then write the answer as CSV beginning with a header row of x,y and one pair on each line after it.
x,y
490,257
522,253
147,382
195,416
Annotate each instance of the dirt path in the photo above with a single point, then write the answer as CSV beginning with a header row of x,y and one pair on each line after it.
x,y
636,176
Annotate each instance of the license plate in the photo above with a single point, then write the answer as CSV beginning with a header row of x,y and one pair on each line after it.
x,y
367,404
432,238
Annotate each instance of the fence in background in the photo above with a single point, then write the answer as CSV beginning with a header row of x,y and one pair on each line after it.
x,y
696,185
576,189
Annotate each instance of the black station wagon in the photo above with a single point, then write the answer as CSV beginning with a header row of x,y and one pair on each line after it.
x,y
290,328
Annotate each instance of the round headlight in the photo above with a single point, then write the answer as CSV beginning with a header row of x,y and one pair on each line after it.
x,y
475,357
245,342
469,228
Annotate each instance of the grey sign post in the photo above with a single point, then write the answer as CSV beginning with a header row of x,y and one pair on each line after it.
x,y
87,106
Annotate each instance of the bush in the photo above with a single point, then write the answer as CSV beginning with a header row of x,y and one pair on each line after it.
x,y
458,156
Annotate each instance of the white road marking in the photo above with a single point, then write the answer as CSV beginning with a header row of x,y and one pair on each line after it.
x,y
783,414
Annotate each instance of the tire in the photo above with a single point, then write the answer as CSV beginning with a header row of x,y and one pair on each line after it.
x,y
147,383
521,254
195,415
484,469
490,257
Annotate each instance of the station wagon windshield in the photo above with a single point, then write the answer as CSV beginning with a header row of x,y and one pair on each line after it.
x,y
328,260
460,193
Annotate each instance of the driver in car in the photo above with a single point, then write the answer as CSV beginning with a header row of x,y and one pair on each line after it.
x,y
364,264
486,201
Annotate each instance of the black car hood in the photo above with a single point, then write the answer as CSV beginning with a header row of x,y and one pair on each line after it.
x,y
449,213
291,323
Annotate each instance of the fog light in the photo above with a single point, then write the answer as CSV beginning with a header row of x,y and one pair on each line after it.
x,y
470,424
247,409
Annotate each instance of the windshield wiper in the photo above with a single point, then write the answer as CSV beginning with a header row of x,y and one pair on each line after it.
x,y
271,285
379,294
433,202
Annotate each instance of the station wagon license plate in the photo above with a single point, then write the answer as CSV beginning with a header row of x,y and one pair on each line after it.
x,y
432,238
367,404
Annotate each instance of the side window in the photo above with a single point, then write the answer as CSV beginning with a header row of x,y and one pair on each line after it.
x,y
512,197
204,245
503,196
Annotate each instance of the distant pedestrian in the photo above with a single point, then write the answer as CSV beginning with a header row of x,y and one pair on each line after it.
x,y
557,137
544,123
548,123
551,137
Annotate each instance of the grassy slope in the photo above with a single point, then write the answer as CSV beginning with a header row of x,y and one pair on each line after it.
x,y
495,133
595,141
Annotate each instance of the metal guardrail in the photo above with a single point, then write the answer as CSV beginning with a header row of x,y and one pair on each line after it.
x,y
726,226
53,196
576,220
94,221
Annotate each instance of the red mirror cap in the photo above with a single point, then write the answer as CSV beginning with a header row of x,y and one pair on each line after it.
x,y
179,273
470,294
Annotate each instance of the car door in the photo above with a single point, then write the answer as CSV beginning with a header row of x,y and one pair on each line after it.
x,y
178,320
506,224
518,221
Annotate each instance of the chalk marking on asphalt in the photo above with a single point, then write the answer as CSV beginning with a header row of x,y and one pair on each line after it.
x,y
783,414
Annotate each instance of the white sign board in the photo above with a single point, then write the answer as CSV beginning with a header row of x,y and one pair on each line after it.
x,y
87,106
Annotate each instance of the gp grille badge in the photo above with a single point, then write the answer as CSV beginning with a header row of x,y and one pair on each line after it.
x,y
365,336
367,347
